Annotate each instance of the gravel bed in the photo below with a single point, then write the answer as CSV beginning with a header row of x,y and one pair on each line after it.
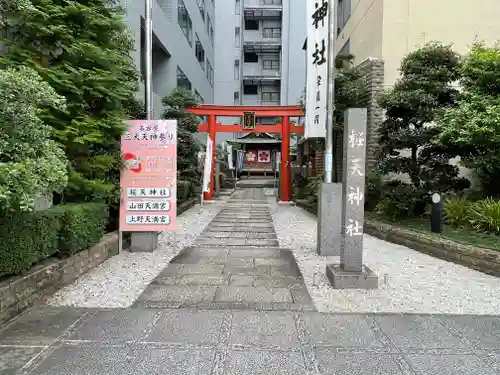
x,y
118,282
409,281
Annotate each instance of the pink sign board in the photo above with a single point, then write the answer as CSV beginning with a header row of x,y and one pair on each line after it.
x,y
149,178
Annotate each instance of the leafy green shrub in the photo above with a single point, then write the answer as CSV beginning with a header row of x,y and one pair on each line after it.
x,y
373,191
82,225
312,188
27,238
456,211
399,201
485,216
31,164
183,190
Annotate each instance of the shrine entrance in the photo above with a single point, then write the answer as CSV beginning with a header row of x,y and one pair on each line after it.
x,y
284,128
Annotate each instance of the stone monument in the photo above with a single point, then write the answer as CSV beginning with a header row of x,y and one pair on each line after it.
x,y
351,273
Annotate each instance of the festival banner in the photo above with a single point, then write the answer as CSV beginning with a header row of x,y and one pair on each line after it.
x,y
208,165
148,180
229,150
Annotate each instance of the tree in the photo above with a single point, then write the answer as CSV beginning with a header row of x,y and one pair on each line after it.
x,y
406,143
176,105
31,164
83,50
473,127
350,91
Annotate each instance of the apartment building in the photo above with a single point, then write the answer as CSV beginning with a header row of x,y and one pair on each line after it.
x,y
259,59
183,46
390,29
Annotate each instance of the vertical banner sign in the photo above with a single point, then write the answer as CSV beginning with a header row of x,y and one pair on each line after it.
x,y
229,150
353,200
317,68
148,180
208,165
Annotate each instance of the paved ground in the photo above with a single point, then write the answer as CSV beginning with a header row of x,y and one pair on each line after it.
x,y
409,281
234,264
244,309
179,341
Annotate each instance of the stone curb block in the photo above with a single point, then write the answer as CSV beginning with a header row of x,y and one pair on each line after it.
x,y
17,293
479,259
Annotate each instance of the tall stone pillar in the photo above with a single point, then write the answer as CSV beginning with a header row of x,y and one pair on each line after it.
x,y
351,273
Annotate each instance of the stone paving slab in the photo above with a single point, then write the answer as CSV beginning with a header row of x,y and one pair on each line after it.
x,y
199,342
216,274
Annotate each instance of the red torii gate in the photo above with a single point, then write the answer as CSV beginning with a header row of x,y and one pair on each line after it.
x,y
285,128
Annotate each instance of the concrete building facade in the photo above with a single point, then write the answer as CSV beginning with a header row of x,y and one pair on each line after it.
x,y
258,58
183,46
390,29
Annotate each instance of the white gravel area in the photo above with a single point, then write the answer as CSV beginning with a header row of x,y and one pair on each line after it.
x,y
409,281
118,282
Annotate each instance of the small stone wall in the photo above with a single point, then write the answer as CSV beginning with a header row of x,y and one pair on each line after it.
x,y
19,292
373,73
479,259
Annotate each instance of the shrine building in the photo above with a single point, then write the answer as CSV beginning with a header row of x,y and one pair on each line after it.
x,y
261,151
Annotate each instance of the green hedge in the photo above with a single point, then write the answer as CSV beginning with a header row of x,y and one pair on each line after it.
x,y
183,190
26,239
82,225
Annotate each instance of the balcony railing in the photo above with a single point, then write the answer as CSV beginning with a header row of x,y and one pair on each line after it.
x,y
262,3
263,9
263,37
268,73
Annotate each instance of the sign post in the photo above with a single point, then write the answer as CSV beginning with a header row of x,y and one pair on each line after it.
x,y
351,273
320,107
149,181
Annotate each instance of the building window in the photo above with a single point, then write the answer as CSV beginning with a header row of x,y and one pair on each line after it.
x,y
201,6
343,14
210,73
198,97
237,7
237,37
271,64
183,83
251,25
199,52
210,29
271,32
185,22
270,96
236,69
250,90
270,2
236,98
250,57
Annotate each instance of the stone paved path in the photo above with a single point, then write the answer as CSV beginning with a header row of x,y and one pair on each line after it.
x,y
229,329
224,342
234,264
